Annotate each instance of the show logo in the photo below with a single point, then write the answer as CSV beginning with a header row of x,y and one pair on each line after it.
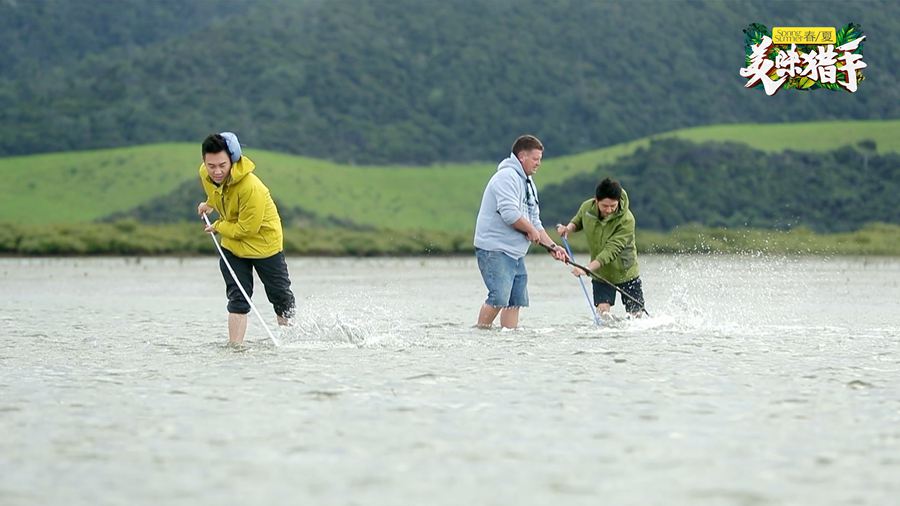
x,y
803,58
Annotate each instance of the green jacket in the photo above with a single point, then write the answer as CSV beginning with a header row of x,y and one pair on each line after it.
x,y
611,240
248,222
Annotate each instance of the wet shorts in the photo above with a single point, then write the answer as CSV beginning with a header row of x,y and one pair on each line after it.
x,y
273,273
505,278
605,294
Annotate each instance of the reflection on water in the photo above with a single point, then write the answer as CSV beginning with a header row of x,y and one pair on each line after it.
x,y
759,380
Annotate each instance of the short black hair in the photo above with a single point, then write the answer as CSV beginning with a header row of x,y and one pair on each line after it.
x,y
609,189
215,143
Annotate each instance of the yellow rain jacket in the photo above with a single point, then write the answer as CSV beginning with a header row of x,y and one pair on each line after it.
x,y
248,222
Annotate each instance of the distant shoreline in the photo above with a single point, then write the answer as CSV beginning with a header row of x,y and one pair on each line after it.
x,y
129,238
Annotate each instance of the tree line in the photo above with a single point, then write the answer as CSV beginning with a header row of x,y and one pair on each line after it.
x,y
403,81
673,182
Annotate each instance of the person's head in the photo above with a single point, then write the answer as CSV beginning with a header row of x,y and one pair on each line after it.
x,y
529,150
609,191
220,151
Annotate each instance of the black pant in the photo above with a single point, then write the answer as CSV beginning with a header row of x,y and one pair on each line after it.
x,y
272,272
603,293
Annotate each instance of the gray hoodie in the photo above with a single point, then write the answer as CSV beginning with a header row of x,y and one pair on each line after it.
x,y
505,200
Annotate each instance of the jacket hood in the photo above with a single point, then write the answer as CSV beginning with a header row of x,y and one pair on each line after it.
x,y
512,163
623,202
239,169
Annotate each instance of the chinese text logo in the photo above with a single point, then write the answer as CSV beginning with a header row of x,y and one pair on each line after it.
x,y
803,58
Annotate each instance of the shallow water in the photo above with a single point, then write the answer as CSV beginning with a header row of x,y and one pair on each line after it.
x,y
758,381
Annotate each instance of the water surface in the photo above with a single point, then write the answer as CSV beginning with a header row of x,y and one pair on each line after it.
x,y
759,380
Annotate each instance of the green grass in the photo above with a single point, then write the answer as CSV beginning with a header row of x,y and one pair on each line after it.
x,y
814,136
80,187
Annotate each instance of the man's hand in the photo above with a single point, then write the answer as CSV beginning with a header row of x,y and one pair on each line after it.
x,y
562,230
594,265
533,235
204,208
559,253
210,229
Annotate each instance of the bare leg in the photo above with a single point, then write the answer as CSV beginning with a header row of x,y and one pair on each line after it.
x,y
284,322
509,317
487,315
603,309
237,327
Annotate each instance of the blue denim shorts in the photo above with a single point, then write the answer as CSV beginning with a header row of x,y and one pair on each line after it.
x,y
505,278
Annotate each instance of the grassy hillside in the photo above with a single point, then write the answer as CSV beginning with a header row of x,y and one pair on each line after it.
x,y
675,182
771,137
85,186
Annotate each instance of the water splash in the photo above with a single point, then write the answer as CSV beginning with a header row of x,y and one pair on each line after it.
x,y
627,326
327,324
724,292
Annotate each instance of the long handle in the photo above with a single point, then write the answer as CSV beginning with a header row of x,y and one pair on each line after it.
x,y
235,278
599,278
587,297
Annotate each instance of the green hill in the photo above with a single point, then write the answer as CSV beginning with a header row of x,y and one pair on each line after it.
x,y
675,182
88,186
407,81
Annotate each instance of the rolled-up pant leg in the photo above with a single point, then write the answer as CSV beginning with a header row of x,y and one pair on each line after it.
x,y
243,268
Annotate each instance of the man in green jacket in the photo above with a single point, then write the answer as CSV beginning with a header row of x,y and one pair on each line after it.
x,y
609,226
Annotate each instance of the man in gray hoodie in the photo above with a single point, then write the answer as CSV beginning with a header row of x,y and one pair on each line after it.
x,y
509,220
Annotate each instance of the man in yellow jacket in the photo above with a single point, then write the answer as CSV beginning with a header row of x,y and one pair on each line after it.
x,y
250,231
